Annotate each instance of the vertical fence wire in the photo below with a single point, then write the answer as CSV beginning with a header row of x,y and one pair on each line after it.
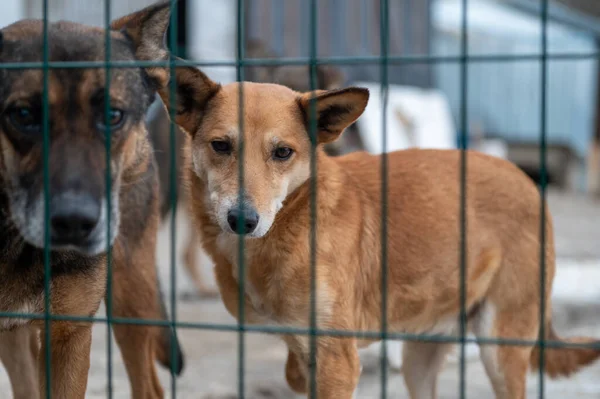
x,y
173,45
384,44
312,129
46,156
107,143
463,192
240,74
543,134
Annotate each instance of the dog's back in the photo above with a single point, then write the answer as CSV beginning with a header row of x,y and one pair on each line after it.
x,y
503,237
423,201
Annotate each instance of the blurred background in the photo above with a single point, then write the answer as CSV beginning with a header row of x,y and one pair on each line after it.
x,y
503,111
503,92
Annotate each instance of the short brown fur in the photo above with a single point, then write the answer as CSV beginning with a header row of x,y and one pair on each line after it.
x,y
294,77
423,238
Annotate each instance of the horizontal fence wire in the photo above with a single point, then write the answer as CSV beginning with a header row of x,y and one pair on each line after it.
x,y
358,60
258,328
464,59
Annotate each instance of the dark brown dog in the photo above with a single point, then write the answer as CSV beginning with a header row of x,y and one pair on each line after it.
x,y
78,210
296,77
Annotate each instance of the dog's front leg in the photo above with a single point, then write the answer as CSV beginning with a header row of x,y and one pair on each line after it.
x,y
70,347
19,353
135,295
338,368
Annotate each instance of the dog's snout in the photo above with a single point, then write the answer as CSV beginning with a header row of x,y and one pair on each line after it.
x,y
234,218
73,217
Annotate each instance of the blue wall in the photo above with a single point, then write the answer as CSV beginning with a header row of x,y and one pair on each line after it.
x,y
505,97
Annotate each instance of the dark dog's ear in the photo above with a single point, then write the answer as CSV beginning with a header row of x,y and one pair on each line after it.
x,y
193,91
335,110
147,29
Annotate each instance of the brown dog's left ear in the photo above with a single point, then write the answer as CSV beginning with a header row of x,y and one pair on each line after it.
x,y
147,29
335,110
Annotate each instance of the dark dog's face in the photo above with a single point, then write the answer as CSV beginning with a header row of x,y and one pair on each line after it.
x,y
77,128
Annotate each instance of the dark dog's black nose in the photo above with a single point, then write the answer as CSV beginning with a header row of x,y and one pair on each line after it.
x,y
73,217
234,217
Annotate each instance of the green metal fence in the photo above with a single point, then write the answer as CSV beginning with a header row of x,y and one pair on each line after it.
x,y
384,61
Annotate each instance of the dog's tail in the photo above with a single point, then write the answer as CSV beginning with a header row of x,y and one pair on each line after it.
x,y
564,361
168,350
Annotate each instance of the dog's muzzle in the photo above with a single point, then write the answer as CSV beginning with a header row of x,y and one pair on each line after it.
x,y
73,218
242,222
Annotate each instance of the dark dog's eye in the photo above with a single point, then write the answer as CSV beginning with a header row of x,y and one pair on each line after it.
x,y
115,119
220,146
115,116
283,153
25,119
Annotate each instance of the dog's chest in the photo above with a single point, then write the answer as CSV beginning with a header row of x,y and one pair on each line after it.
x,y
18,307
229,246
278,295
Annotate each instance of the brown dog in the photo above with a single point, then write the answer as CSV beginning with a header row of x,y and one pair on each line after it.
x,y
295,77
423,239
78,210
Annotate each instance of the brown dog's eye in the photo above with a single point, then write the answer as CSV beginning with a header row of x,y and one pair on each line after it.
x,y
25,119
282,153
221,147
115,119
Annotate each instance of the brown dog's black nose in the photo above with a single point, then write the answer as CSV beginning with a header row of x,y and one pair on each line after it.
x,y
73,217
234,217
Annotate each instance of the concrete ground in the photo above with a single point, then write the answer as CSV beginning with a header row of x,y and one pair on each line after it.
x,y
212,356
212,366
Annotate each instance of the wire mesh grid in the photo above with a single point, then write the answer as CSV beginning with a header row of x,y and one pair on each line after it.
x,y
384,60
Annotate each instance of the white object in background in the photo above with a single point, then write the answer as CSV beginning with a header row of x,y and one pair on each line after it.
x,y
12,11
394,353
212,36
83,12
495,147
415,118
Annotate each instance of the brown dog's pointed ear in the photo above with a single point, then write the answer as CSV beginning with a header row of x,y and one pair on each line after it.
x,y
334,110
147,29
193,91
